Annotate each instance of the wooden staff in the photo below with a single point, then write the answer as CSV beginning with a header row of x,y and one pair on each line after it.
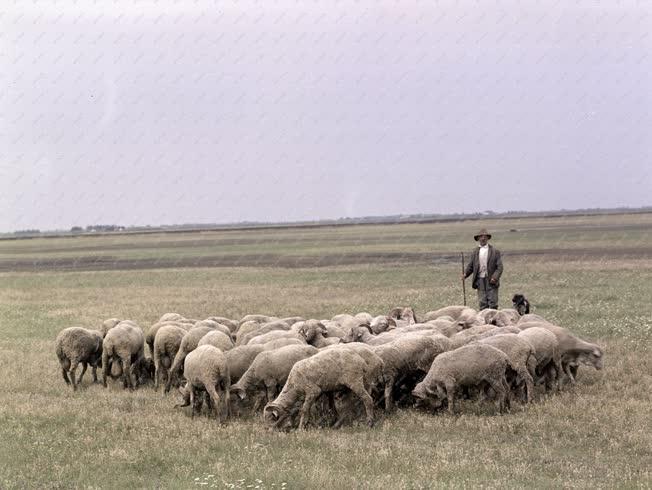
x,y
463,283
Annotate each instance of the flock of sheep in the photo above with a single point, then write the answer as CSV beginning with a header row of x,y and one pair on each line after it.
x,y
330,372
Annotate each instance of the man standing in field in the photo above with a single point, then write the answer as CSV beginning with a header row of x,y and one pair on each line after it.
x,y
486,267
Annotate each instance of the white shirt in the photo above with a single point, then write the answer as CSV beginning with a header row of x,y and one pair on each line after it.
x,y
484,255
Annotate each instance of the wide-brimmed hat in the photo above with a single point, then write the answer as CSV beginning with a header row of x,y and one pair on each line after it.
x,y
483,231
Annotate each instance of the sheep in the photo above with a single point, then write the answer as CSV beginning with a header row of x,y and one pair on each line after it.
x,y
270,369
445,327
313,332
188,344
487,314
245,338
407,355
278,343
333,329
77,345
362,333
505,317
328,371
153,330
166,345
381,324
107,325
521,356
206,368
452,311
470,334
342,318
274,335
240,358
257,319
227,322
363,316
217,339
404,315
573,350
531,317
470,365
546,349
124,344
214,325
167,317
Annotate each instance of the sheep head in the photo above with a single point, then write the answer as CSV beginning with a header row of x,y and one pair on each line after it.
x,y
276,416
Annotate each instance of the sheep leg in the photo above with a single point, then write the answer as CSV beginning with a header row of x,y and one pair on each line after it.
x,y
498,387
358,389
81,376
126,372
450,396
529,384
569,372
217,402
65,375
73,368
389,386
311,396
271,392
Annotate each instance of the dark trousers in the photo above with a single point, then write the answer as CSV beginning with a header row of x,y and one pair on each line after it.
x,y
487,294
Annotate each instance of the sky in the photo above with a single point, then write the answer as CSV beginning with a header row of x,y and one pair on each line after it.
x,y
136,112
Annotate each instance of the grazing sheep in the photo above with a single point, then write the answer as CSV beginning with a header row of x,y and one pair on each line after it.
x,y
278,343
189,343
487,315
206,368
217,339
171,317
257,318
521,356
270,370
531,317
405,356
521,304
240,358
470,334
333,329
153,330
381,324
107,325
469,366
363,316
227,322
274,335
328,371
214,325
573,350
453,311
405,315
124,344
546,349
362,333
74,346
446,327
313,332
245,338
166,345
505,317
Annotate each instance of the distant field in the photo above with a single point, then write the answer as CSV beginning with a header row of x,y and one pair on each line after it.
x,y
591,274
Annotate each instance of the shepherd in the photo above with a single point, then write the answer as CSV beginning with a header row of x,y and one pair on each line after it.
x,y
486,267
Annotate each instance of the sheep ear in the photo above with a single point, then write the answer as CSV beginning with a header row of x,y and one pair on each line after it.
x,y
597,353
391,321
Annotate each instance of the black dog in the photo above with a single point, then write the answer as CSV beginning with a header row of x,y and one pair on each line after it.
x,y
521,304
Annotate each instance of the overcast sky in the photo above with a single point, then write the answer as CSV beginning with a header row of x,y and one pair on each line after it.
x,y
161,112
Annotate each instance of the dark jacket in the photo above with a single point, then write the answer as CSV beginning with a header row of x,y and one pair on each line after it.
x,y
494,266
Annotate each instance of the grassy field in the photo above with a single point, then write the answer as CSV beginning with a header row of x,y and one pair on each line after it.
x,y
591,274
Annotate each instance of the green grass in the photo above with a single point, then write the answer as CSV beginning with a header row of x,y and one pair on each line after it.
x,y
596,434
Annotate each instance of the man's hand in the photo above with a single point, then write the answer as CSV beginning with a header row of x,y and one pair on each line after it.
x,y
493,281
463,277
